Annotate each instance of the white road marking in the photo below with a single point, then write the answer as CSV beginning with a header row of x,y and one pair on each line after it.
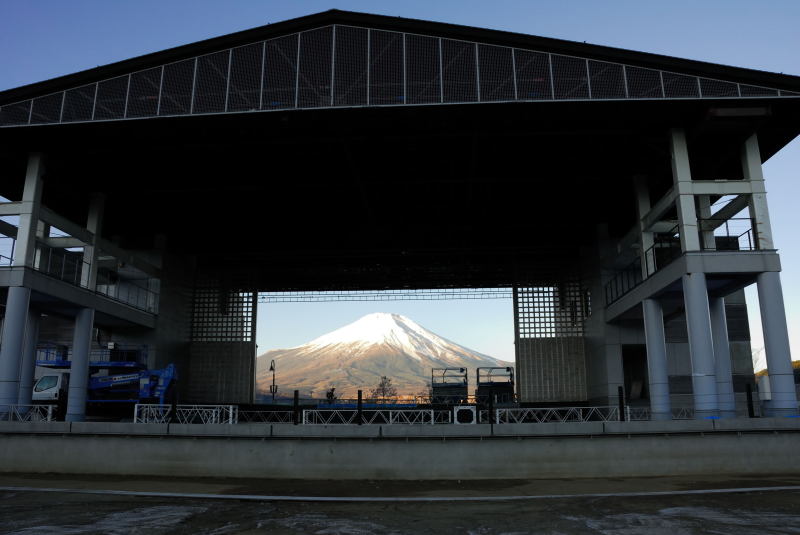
x,y
268,498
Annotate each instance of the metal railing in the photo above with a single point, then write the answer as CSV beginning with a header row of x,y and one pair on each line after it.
x,y
27,413
151,413
541,415
345,66
373,417
7,246
636,414
148,413
67,266
207,414
266,417
129,292
732,234
666,248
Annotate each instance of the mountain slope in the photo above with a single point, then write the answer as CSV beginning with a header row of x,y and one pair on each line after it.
x,y
357,355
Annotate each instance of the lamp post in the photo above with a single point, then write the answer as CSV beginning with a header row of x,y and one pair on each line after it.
x,y
273,387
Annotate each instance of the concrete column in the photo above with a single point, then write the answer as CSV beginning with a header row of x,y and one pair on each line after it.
x,y
701,346
660,407
759,211
13,345
776,345
708,243
681,173
722,358
79,370
28,366
646,238
94,224
25,248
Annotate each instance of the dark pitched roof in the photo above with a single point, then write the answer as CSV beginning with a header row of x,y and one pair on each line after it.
x,y
439,29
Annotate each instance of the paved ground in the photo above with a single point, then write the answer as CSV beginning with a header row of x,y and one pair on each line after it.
x,y
763,512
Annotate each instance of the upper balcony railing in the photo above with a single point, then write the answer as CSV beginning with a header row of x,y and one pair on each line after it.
x,y
346,66
731,234
126,285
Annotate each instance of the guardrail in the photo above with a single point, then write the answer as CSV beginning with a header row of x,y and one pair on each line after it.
x,y
229,414
27,413
636,414
266,417
542,415
374,417
147,413
151,413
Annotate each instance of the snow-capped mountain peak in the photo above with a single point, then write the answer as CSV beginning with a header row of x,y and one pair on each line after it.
x,y
358,354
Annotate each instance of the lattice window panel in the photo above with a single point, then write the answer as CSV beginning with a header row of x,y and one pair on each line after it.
x,y
422,70
143,92
79,104
496,65
386,74
643,83
570,77
606,79
342,65
533,75
111,97
314,79
280,73
211,83
47,109
223,315
551,311
549,344
176,88
459,73
350,66
244,91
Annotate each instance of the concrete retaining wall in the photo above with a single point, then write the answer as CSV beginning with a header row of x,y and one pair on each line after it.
x,y
614,449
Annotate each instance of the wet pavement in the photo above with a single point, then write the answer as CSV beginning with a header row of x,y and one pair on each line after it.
x,y
767,512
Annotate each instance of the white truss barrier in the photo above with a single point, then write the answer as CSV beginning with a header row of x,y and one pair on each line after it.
x,y
373,417
636,414
151,413
27,413
207,414
556,414
186,414
266,417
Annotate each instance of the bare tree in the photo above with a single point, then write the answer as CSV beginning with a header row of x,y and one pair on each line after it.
x,y
384,391
331,396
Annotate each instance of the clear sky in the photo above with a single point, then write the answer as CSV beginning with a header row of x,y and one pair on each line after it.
x,y
46,38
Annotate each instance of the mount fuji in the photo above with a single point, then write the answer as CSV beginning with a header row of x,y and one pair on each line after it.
x,y
355,357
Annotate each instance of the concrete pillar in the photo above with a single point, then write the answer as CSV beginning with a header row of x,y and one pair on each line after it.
x,y
660,407
28,366
701,346
709,242
646,238
776,345
94,223
13,345
79,370
681,173
722,358
759,210
25,248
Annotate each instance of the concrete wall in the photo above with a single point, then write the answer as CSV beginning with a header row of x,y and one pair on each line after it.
x,y
613,449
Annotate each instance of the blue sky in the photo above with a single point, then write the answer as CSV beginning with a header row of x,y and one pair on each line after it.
x,y
46,38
